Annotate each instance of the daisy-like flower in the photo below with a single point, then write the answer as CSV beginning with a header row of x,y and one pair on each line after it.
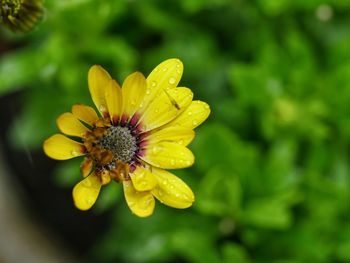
x,y
20,15
144,128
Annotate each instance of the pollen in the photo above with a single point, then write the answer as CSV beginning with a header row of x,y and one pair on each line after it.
x,y
120,142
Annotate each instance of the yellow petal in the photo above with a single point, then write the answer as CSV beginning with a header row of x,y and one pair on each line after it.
x,y
134,88
70,125
168,155
85,113
178,135
140,203
60,147
85,193
114,100
192,116
165,107
171,190
98,79
143,179
165,76
86,167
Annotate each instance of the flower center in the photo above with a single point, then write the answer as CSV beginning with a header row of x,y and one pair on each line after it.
x,y
120,142
10,7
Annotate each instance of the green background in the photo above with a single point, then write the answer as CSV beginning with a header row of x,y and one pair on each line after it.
x,y
271,176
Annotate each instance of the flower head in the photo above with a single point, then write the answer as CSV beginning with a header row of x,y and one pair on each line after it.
x,y
20,15
143,129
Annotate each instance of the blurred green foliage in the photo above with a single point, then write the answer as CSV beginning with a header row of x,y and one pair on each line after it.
x,y
271,177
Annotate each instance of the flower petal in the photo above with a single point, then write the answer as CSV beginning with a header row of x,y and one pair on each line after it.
x,y
165,76
143,179
197,112
178,135
140,203
134,88
168,155
171,190
165,107
86,167
60,147
70,125
98,79
114,100
85,193
85,113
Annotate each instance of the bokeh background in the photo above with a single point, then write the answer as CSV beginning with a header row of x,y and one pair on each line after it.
x,y
271,177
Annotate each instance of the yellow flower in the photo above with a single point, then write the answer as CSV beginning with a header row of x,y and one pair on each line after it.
x,y
20,15
144,128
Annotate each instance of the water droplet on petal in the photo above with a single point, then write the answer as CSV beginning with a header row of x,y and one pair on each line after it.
x,y
157,149
156,110
156,69
74,153
153,84
172,80
189,113
143,184
194,122
165,69
89,201
172,162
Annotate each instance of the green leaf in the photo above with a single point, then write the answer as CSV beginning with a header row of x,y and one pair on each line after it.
x,y
219,193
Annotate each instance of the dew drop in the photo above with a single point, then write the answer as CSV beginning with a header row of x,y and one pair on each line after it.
x,y
172,81
165,182
195,122
189,113
156,69
165,69
74,153
157,149
181,141
153,84
101,108
172,162
89,201
156,110
143,184
178,71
